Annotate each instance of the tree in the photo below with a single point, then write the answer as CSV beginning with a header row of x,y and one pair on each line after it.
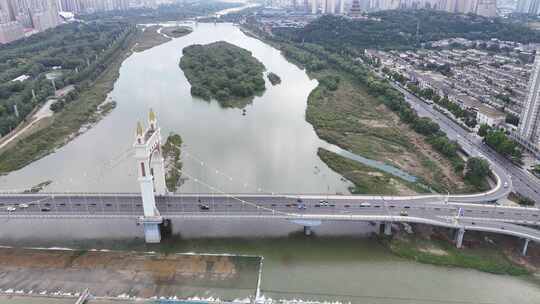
x,y
427,93
483,130
426,126
536,169
477,169
498,140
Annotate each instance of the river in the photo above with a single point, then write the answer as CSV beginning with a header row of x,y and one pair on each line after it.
x,y
270,149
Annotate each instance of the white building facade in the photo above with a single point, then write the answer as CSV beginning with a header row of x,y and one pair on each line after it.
x,y
529,125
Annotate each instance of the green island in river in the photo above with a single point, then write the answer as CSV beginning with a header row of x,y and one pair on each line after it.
x,y
224,72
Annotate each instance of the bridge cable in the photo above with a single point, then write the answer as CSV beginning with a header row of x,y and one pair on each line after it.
x,y
230,195
202,163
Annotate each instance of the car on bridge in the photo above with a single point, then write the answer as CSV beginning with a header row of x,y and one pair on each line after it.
x,y
204,207
322,203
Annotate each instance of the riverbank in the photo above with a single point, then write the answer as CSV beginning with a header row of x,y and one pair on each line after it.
x,y
81,114
130,275
149,38
155,35
344,112
346,115
481,251
76,117
321,267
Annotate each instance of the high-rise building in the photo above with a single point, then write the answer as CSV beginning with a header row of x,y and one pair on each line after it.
x,y
7,11
522,6
529,125
486,8
10,31
355,10
534,7
73,6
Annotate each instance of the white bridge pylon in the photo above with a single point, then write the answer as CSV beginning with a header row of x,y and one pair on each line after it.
x,y
151,174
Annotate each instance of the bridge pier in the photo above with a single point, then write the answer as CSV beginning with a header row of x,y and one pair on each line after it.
x,y
152,231
459,237
307,224
525,246
387,228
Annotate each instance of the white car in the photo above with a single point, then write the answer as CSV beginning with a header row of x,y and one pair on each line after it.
x,y
11,208
506,184
23,206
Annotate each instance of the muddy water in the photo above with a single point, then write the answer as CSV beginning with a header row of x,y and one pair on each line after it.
x,y
271,149
340,262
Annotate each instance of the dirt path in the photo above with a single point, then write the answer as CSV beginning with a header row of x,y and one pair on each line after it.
x,y
40,114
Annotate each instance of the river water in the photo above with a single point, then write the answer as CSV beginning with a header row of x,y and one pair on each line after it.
x,y
270,149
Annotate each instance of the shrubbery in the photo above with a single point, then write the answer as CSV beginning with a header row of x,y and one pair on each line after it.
x,y
222,71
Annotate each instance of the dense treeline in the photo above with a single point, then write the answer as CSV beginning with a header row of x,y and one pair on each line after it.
x,y
222,71
166,12
468,117
396,29
76,50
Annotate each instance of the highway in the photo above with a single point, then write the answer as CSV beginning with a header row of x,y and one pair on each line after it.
x,y
522,181
283,205
421,209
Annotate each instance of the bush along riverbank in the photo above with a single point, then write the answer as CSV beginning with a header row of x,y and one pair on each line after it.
x,y
484,252
274,78
173,166
224,72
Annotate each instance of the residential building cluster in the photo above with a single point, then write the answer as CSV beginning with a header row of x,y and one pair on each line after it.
x,y
473,76
486,8
24,17
92,6
20,18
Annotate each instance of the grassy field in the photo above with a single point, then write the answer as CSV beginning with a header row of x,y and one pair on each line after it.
x,y
65,125
367,179
176,31
150,38
352,119
488,258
